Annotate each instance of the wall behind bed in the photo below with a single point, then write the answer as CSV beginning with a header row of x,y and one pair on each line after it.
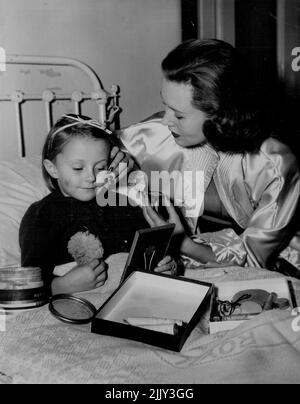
x,y
124,41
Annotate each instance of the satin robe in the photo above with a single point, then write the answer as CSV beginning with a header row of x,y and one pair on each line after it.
x,y
260,192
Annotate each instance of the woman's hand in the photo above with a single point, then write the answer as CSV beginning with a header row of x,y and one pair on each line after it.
x,y
168,264
154,219
81,278
121,163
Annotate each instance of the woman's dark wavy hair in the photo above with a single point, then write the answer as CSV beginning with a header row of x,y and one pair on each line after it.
x,y
56,141
220,90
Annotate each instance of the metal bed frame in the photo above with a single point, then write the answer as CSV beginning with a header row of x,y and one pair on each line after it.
x,y
107,101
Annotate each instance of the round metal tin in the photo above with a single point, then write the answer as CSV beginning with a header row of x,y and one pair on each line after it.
x,y
21,287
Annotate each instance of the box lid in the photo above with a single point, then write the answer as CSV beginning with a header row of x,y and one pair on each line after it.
x,y
149,246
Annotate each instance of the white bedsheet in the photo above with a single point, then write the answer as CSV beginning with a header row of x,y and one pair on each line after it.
x,y
37,348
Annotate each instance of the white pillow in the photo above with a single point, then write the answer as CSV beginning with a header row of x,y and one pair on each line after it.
x,y
21,184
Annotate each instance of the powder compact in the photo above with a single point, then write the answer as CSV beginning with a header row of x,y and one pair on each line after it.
x,y
71,309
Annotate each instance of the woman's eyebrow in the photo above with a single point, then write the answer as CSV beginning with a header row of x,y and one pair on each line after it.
x,y
174,109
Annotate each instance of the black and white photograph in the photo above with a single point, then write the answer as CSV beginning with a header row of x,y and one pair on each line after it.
x,y
150,194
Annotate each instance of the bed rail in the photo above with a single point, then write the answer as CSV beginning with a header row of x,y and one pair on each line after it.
x,y
107,101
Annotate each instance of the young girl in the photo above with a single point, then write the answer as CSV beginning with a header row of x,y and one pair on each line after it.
x,y
76,149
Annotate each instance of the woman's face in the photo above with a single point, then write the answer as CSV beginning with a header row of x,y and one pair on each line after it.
x,y
182,118
77,166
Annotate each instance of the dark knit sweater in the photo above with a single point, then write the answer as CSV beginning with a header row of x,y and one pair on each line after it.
x,y
48,225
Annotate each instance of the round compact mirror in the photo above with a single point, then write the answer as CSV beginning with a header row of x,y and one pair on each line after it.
x,y
71,309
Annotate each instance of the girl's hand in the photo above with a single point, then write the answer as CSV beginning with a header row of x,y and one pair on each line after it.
x,y
81,278
168,264
121,163
154,219
90,276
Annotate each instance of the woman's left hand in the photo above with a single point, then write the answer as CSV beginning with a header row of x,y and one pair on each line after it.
x,y
121,163
154,219
168,264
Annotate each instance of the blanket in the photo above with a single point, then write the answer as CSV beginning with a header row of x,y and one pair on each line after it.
x,y
38,348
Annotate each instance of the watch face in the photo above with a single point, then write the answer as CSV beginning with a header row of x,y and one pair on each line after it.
x,y
71,309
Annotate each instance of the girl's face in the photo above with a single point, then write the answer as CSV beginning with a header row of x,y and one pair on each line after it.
x,y
77,166
182,118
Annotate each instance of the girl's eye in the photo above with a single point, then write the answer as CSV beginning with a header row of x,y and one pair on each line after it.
x,y
77,168
100,168
179,117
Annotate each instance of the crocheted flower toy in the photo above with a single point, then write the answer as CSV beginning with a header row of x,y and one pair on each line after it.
x,y
85,248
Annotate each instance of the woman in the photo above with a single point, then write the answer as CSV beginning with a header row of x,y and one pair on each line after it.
x,y
252,179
